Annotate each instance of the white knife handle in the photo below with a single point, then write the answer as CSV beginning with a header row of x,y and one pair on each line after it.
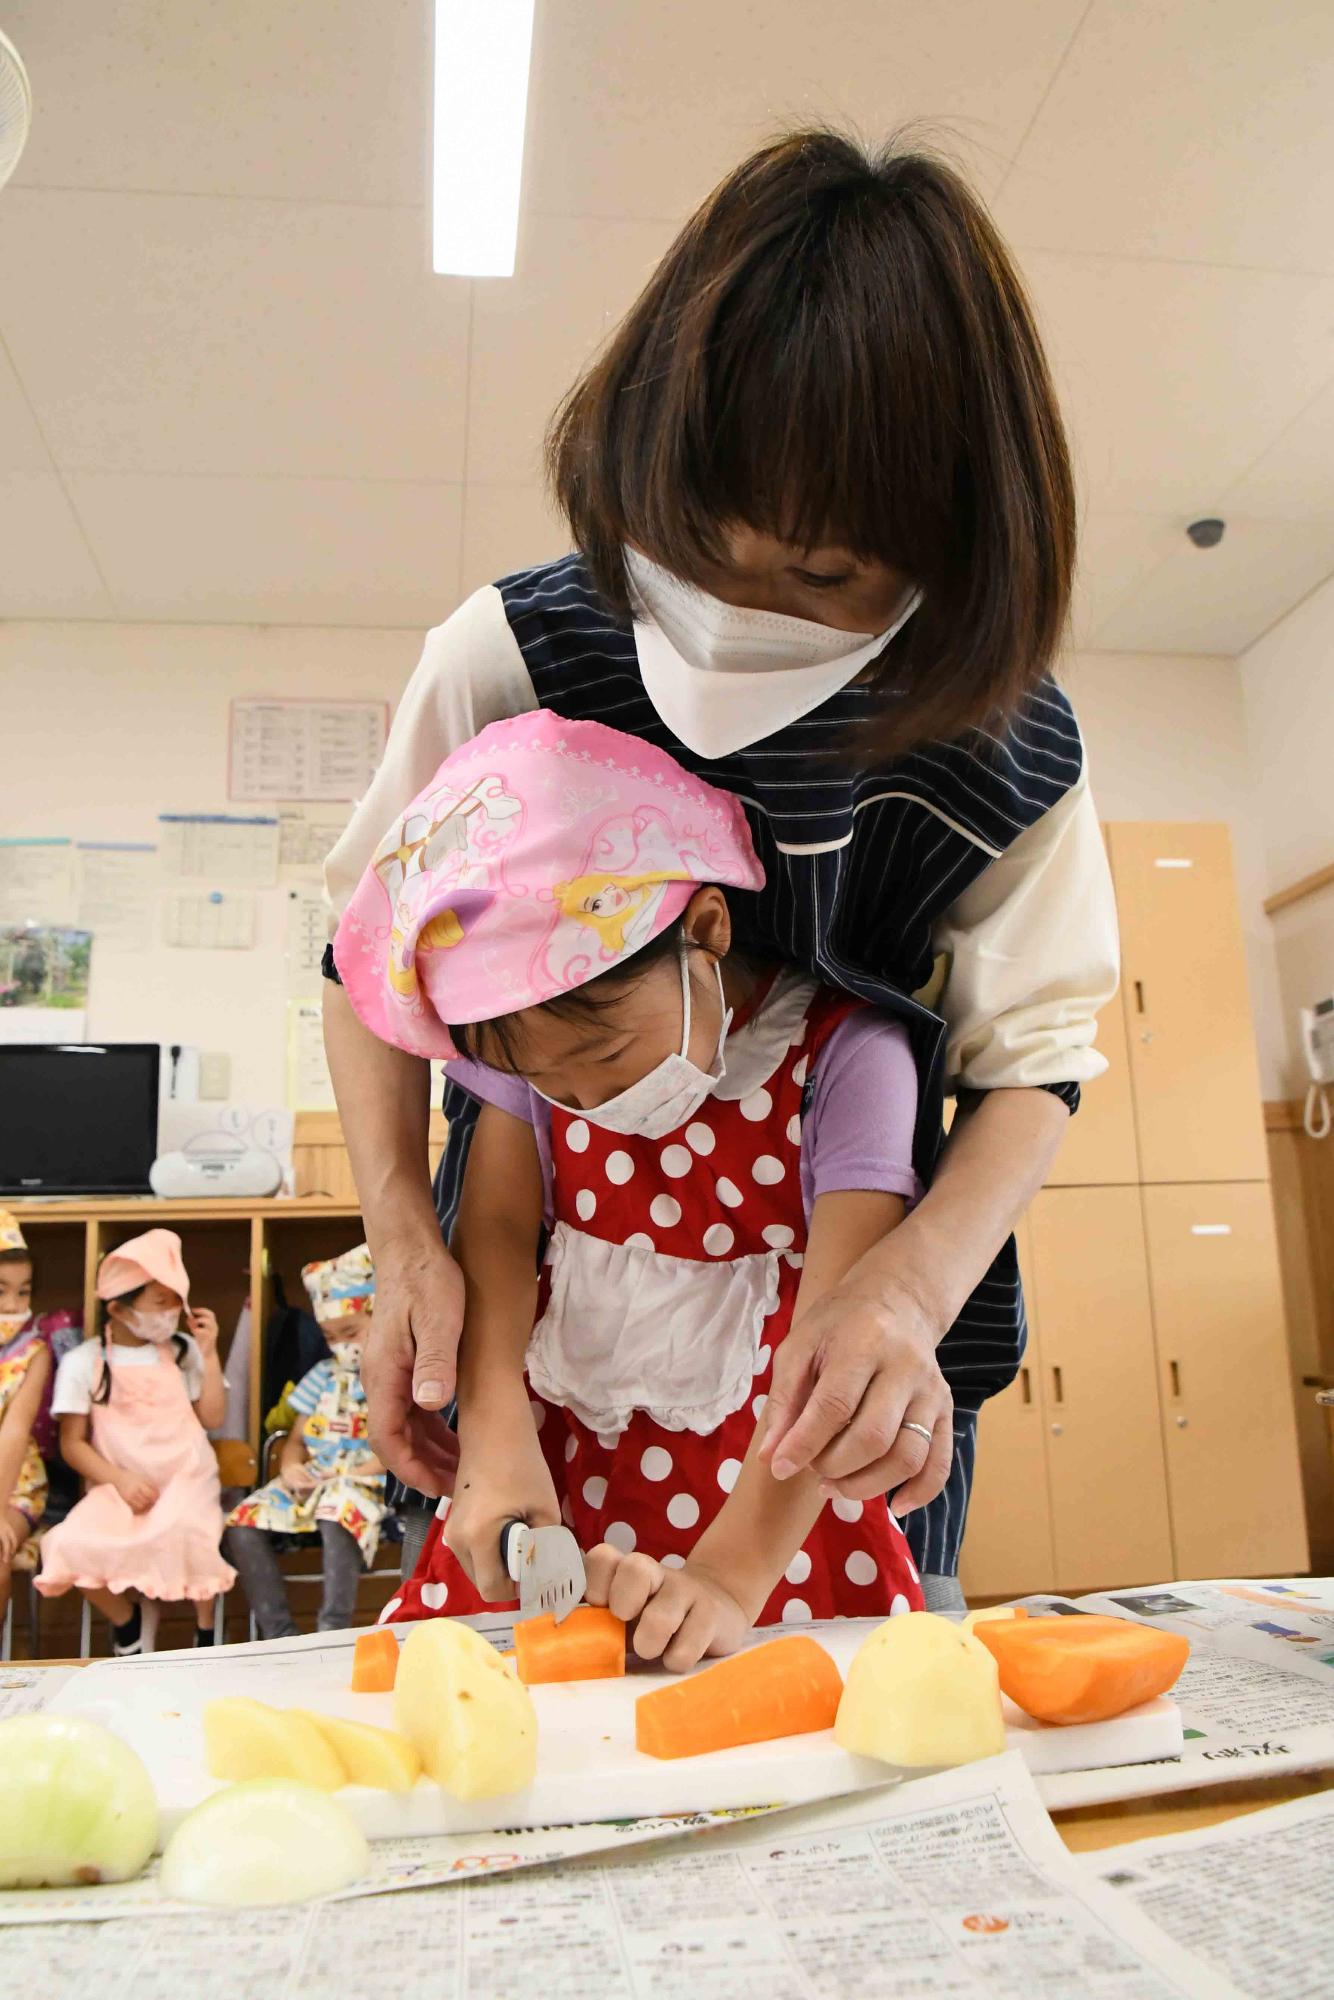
x,y
513,1544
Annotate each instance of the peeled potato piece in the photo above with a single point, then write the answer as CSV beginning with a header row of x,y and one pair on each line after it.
x,y
380,1758
248,1739
470,1721
921,1692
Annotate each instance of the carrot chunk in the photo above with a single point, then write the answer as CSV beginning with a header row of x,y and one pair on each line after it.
x,y
374,1661
787,1687
1083,1669
587,1645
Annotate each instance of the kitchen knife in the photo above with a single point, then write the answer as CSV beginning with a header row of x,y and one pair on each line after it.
x,y
547,1566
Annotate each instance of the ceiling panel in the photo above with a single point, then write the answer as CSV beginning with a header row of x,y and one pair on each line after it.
x,y
293,551
207,336
315,100
1117,552
638,111
507,528
532,334
1199,130
21,445
1220,600
46,570
1295,475
1175,377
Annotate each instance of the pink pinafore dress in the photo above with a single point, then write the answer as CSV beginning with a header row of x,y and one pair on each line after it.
x,y
147,1426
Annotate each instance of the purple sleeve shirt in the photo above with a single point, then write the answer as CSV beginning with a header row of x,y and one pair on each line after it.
x,y
856,1134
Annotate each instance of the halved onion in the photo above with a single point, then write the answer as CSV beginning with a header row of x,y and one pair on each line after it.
x,y
268,1840
76,1804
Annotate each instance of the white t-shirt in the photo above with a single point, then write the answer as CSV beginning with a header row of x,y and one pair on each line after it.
x,y
80,1373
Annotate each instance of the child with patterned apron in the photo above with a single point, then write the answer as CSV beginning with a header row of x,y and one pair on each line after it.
x,y
25,1370
329,1480
710,1143
135,1407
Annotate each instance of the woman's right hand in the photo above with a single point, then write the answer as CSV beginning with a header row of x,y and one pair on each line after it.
x,y
409,1365
502,1477
138,1494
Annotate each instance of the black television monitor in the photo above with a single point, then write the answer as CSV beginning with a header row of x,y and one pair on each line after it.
x,y
77,1117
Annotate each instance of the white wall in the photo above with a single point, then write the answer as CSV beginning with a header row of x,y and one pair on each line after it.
x,y
1287,681
107,725
104,727
1166,737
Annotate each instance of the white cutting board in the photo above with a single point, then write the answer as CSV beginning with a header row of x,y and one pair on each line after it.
x,y
588,1767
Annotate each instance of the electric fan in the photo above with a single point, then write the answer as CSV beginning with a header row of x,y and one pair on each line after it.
x,y
15,108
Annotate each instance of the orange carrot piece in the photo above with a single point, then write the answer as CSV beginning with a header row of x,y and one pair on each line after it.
x,y
587,1645
787,1687
1083,1669
374,1661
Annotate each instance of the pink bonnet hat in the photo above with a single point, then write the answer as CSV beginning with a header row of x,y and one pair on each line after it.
x,y
155,1254
539,855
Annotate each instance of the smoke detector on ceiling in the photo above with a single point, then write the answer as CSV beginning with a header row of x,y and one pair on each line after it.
x,y
15,108
1208,533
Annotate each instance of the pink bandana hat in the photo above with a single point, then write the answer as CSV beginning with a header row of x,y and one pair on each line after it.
x,y
539,855
155,1254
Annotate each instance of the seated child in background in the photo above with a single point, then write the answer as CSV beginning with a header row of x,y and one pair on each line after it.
x,y
25,1371
712,1141
329,1480
134,1406
60,1330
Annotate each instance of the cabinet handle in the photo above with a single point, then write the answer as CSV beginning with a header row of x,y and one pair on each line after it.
x,y
1174,1371
1025,1387
1139,996
1057,1389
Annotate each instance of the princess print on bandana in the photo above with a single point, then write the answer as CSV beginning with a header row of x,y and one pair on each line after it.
x,y
709,1143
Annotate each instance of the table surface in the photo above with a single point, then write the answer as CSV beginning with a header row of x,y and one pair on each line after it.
x,y
1084,1829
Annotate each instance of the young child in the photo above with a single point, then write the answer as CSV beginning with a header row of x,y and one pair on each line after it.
x,y
134,1406
25,1370
329,1480
712,1143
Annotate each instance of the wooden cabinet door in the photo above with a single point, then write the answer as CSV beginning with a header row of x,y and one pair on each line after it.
x,y
1099,1148
1229,1432
1196,1085
1007,1550
1105,1467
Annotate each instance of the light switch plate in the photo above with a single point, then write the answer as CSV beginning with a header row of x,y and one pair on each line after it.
x,y
215,1075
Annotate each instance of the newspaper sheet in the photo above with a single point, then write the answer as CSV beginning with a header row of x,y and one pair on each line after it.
x,y
1252,1898
1256,1695
954,1885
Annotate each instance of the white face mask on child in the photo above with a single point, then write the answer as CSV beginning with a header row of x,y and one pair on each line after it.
x,y
672,1091
12,1324
346,1354
155,1327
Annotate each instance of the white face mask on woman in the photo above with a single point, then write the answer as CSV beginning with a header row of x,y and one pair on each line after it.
x,y
673,1090
722,676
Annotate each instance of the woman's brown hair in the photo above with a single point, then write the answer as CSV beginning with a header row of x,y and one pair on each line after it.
x,y
838,348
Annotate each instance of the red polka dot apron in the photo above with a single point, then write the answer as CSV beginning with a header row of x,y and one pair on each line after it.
x,y
669,1282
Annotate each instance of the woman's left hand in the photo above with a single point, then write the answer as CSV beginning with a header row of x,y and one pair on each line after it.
x,y
857,1368
678,1615
203,1324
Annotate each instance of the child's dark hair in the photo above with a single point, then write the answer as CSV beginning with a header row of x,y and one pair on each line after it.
x,y
17,1257
500,1037
102,1393
838,348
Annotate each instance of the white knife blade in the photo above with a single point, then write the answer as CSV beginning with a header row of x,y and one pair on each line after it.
x,y
548,1567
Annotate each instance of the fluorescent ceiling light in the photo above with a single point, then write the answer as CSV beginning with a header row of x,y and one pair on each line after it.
x,y
482,49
